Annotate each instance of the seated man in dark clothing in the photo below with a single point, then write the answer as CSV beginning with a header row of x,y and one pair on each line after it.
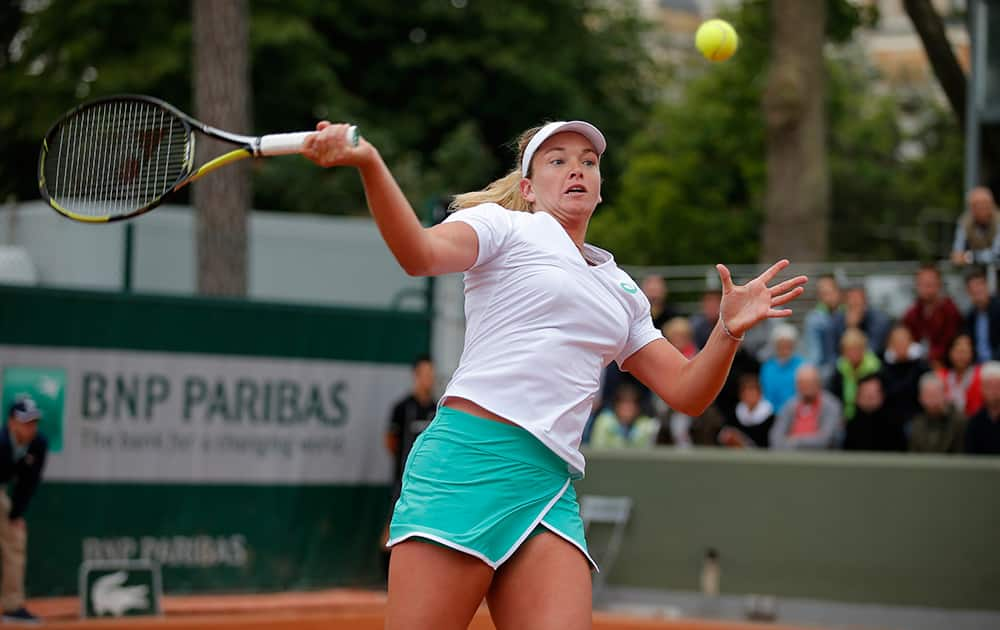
x,y
982,437
902,368
982,320
873,428
22,458
939,428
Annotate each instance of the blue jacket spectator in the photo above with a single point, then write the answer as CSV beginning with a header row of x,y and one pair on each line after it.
x,y
819,347
777,374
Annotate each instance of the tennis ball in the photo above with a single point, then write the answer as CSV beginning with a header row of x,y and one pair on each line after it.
x,y
716,39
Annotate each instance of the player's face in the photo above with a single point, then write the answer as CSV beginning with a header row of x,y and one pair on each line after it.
x,y
565,177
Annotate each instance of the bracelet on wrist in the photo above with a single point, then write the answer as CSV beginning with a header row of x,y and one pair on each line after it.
x,y
728,332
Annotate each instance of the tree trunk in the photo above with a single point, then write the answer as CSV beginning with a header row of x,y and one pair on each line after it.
x,y
797,201
949,73
222,99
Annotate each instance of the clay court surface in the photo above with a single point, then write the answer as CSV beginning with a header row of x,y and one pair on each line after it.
x,y
340,609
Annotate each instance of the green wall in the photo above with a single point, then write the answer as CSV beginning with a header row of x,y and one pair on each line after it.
x,y
893,529
280,535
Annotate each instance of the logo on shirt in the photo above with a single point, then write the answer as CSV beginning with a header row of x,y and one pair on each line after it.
x,y
629,288
47,387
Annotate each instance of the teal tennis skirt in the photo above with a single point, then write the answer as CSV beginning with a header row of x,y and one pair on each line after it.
x,y
484,487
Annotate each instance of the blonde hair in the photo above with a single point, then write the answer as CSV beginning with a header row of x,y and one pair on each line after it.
x,y
853,337
505,191
677,325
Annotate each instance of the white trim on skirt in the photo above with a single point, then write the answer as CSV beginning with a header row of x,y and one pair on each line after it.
x,y
496,565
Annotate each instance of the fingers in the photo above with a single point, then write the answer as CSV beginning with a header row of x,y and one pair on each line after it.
x,y
785,298
773,314
330,145
726,277
773,270
788,285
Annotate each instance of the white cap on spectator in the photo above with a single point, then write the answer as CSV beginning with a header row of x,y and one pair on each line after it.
x,y
784,331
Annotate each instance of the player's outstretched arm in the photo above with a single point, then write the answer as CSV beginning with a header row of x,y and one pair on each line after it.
x,y
420,251
691,386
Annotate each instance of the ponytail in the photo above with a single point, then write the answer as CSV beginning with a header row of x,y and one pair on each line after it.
x,y
505,191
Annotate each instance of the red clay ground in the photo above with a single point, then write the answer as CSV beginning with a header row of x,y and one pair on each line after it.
x,y
341,609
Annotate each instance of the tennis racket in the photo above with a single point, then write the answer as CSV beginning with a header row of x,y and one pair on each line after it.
x,y
118,157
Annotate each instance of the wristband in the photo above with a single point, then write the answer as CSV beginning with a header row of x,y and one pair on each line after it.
x,y
728,333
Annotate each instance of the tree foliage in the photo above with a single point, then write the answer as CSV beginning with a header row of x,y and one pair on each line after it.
x,y
441,87
693,188
443,90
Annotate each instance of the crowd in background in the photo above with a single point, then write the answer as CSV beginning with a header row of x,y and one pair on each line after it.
x,y
849,378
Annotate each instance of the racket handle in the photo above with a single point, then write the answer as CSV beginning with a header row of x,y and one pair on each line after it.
x,y
282,143
288,143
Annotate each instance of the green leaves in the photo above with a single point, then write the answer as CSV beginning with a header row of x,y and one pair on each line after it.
x,y
440,89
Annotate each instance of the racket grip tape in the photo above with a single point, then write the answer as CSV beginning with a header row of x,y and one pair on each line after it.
x,y
289,143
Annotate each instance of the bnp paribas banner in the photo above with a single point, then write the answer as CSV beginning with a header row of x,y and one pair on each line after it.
x,y
233,445
226,472
130,416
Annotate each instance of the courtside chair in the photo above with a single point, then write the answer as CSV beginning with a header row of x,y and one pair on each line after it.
x,y
605,510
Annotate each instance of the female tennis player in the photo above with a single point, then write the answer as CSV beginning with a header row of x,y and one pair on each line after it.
x,y
487,507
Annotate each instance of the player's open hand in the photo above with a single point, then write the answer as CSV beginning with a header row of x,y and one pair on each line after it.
x,y
331,146
743,306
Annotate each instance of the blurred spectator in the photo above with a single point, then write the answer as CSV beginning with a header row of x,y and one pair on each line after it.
x,y
856,362
977,239
982,436
873,428
411,414
982,321
757,340
819,346
729,397
933,319
939,428
655,289
777,374
22,458
624,425
679,332
961,377
682,430
811,419
856,313
704,321
901,371
753,419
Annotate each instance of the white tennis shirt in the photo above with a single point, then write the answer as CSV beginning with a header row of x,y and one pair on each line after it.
x,y
542,324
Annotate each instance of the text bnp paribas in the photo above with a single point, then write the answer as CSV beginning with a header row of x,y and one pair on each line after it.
x,y
249,401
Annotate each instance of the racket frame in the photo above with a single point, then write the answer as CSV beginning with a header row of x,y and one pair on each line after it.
x,y
249,146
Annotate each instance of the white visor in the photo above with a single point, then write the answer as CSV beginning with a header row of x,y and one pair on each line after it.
x,y
585,129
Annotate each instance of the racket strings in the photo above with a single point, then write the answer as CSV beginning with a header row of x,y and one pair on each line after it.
x,y
115,158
